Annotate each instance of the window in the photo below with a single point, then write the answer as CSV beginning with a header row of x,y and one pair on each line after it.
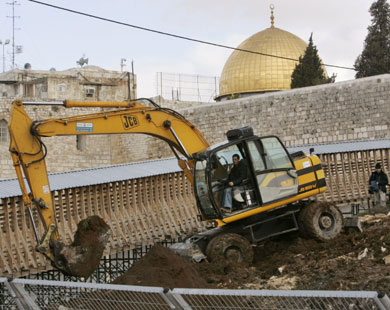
x,y
254,150
81,142
3,131
62,88
274,175
275,155
90,92
28,90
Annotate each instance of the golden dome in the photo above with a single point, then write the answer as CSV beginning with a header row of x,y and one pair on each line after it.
x,y
247,72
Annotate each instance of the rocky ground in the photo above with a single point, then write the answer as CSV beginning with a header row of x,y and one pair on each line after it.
x,y
353,261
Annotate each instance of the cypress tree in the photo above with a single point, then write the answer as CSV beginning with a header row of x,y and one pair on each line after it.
x,y
309,71
375,58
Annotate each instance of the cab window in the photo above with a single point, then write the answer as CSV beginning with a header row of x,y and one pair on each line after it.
x,y
202,190
275,155
273,169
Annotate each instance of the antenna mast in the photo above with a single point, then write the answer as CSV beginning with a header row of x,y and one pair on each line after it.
x,y
13,3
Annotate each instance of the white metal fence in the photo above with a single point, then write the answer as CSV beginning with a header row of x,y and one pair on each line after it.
x,y
186,87
21,294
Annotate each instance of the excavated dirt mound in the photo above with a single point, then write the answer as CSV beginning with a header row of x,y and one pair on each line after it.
x,y
352,261
162,267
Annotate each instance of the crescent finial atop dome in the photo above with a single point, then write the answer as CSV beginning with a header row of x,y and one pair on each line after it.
x,y
272,15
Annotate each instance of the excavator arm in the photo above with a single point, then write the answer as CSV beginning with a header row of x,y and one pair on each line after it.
x,y
28,152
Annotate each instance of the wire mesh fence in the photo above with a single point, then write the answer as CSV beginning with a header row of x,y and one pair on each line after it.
x,y
186,87
7,299
60,295
276,300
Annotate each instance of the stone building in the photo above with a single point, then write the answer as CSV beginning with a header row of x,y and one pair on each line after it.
x,y
89,83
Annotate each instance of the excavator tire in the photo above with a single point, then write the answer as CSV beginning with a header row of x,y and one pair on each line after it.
x,y
231,248
320,220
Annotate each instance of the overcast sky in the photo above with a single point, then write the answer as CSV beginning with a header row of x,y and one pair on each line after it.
x,y
55,38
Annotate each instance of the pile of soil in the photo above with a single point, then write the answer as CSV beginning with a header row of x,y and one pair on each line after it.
x,y
352,261
163,268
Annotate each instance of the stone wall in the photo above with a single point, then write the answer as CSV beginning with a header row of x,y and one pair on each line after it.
x,y
344,111
63,154
352,110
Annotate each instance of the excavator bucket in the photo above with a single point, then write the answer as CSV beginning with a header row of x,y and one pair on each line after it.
x,y
82,257
188,250
353,223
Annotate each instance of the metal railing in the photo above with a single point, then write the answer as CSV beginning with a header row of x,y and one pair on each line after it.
x,y
20,294
7,296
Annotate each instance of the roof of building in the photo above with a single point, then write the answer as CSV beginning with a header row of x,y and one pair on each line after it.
x,y
78,178
248,72
340,147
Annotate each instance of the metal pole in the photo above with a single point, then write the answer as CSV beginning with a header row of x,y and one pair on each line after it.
x,y
3,57
179,142
43,103
13,35
385,300
14,296
133,86
34,226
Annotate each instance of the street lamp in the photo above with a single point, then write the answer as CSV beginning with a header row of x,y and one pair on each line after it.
x,y
4,44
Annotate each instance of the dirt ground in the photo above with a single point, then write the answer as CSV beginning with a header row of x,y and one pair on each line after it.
x,y
164,268
353,261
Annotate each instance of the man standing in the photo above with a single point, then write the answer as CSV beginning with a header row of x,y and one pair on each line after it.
x,y
378,182
236,176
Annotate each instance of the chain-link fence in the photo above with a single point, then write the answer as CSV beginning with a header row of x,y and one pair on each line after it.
x,y
7,297
277,299
187,87
21,294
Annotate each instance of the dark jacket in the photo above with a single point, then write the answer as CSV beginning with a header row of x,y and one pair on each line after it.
x,y
238,173
381,178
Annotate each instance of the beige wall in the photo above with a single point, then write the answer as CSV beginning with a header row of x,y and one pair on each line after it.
x,y
344,111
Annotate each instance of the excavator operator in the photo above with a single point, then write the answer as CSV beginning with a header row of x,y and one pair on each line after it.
x,y
235,179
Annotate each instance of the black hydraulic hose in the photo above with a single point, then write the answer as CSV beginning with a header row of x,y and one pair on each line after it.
x,y
170,111
42,146
150,100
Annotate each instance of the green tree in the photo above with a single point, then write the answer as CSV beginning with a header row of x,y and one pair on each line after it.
x,y
375,58
309,71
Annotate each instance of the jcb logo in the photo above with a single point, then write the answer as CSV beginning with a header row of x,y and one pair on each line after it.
x,y
129,121
307,188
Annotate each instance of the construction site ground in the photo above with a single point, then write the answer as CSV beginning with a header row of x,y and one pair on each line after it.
x,y
353,261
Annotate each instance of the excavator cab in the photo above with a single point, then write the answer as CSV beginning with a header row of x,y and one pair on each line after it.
x,y
271,174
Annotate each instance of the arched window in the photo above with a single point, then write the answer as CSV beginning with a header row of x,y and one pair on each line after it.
x,y
3,131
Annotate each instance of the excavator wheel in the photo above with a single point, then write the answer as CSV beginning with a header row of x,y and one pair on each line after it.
x,y
320,220
230,247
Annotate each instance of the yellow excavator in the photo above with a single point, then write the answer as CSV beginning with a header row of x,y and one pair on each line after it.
x,y
273,199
